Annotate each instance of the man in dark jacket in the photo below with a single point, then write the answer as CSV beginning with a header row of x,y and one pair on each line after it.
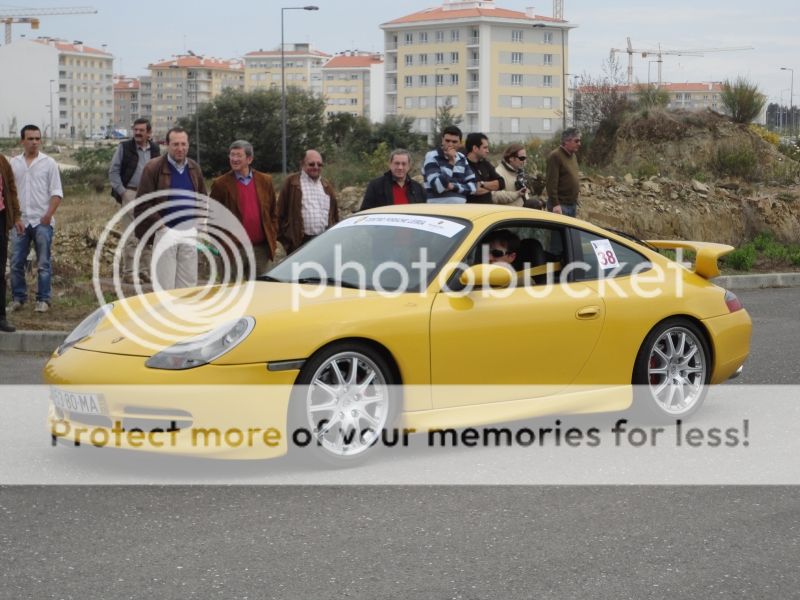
x,y
249,195
394,186
9,218
124,175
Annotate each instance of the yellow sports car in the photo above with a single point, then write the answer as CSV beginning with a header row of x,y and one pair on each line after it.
x,y
418,317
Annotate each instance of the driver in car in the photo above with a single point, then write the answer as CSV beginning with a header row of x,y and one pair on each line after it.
x,y
501,247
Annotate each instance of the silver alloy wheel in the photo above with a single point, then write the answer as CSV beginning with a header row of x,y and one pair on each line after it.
x,y
676,370
347,403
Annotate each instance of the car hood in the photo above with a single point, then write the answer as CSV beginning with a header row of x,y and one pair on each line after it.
x,y
142,326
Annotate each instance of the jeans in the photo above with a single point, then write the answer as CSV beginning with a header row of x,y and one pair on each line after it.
x,y
568,210
42,237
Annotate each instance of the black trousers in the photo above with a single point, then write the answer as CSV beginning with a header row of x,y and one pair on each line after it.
x,y
3,260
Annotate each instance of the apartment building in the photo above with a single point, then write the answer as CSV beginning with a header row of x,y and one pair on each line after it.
x,y
690,96
179,85
352,82
302,69
67,87
126,101
502,70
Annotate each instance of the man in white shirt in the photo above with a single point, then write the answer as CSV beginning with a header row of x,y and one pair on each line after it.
x,y
39,190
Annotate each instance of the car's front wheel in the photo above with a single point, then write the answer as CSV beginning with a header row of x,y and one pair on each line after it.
x,y
344,398
672,370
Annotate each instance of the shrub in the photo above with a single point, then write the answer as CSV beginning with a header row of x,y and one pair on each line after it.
x,y
735,161
771,137
650,96
742,99
741,259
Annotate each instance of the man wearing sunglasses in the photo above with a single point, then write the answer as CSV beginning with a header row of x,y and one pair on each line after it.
x,y
307,204
501,247
563,179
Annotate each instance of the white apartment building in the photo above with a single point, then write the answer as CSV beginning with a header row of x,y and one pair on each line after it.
x,y
302,68
353,83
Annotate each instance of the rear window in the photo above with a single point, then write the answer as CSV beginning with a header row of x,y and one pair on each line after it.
x,y
605,258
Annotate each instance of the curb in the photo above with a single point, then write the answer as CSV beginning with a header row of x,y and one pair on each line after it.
x,y
47,341
31,341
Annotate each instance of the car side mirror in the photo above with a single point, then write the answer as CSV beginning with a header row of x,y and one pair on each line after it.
x,y
486,275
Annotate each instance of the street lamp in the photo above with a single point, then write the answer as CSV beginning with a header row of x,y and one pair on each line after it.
x,y
52,131
436,99
791,99
283,83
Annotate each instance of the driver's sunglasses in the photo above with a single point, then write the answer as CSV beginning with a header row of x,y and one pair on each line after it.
x,y
521,157
496,253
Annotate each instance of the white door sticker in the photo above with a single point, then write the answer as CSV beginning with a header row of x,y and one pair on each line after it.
x,y
605,254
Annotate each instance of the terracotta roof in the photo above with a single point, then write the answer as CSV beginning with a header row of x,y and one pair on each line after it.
x,y
288,53
63,46
126,84
669,87
350,62
441,14
190,62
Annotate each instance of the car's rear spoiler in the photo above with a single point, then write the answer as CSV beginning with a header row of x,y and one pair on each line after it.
x,y
706,254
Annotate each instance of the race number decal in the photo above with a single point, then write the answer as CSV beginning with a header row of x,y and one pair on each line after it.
x,y
605,254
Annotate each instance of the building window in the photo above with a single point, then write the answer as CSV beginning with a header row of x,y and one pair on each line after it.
x,y
423,37
548,37
439,36
548,59
514,125
353,100
439,59
439,79
409,39
453,58
516,35
547,81
423,81
516,79
454,79
546,124
409,60
547,102
516,101
423,59
516,58
409,81
423,101
454,35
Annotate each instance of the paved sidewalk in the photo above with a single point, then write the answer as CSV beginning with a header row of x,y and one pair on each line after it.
x,y
47,341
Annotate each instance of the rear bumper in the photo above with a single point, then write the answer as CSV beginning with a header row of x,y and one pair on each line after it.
x,y
730,342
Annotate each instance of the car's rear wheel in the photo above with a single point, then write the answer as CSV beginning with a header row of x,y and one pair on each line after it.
x,y
672,371
345,398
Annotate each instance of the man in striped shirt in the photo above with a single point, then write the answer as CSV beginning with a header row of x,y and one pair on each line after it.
x,y
448,177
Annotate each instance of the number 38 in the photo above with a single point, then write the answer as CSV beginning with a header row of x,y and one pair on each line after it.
x,y
607,258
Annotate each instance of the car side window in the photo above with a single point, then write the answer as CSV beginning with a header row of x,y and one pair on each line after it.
x,y
600,258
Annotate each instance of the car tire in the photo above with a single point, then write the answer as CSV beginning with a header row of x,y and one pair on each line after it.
x,y
342,402
672,371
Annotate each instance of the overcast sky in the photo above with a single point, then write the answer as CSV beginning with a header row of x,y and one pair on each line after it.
x,y
141,32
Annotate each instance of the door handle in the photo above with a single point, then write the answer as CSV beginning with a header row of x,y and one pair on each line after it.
x,y
588,312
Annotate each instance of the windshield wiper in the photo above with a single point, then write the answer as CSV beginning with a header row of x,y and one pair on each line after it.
x,y
329,281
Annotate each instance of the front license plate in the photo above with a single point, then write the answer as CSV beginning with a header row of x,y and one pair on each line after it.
x,y
77,402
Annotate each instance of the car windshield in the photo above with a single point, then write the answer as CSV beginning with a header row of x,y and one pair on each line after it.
x,y
384,252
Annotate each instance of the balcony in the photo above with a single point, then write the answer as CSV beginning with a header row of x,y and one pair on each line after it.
x,y
473,63
391,46
472,107
473,84
473,40
391,88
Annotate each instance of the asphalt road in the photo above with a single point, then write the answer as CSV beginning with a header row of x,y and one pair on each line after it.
x,y
426,542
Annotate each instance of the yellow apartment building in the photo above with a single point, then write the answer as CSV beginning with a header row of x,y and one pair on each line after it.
x,y
503,71
180,85
352,82
303,68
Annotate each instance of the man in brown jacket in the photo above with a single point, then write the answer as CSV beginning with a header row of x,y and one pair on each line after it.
x,y
173,235
307,204
9,217
563,179
249,195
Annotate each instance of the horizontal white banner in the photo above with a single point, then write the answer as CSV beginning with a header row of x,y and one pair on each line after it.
x,y
480,435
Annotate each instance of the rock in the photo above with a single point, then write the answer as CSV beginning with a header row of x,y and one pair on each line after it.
x,y
729,185
700,187
628,179
651,186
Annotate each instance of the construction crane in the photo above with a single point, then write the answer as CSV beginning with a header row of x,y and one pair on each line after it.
x,y
660,52
29,15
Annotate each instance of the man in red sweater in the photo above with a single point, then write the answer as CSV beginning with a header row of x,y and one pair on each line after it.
x,y
250,196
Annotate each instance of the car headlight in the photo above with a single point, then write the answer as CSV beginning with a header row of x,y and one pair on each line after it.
x,y
202,349
85,328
